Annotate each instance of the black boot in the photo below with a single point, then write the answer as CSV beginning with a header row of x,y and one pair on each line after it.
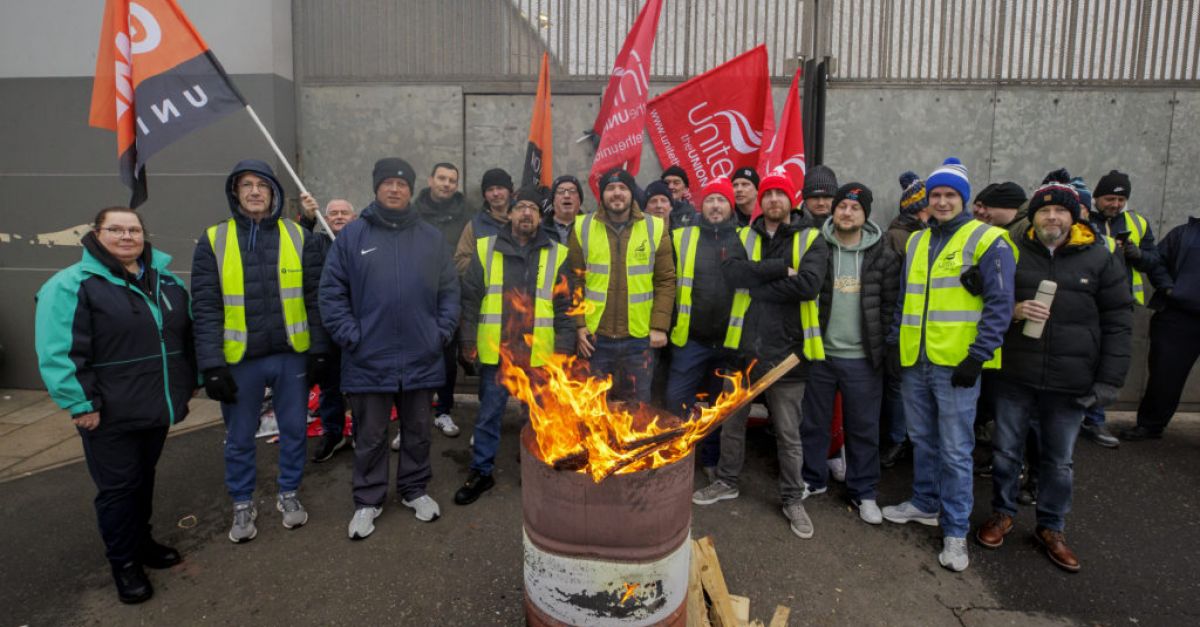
x,y
477,483
894,453
155,555
132,584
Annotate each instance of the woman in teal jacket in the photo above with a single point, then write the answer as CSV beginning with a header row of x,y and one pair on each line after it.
x,y
114,345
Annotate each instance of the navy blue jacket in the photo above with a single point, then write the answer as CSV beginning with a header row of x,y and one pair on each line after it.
x,y
259,244
1176,280
390,299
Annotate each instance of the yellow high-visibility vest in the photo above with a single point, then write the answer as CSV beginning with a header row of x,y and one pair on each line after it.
x,y
810,321
1135,224
685,276
639,270
487,332
224,241
934,298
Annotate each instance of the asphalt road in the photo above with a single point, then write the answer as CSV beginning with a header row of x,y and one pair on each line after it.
x,y
1134,526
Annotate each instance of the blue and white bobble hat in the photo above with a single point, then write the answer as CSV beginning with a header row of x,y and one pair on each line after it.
x,y
952,174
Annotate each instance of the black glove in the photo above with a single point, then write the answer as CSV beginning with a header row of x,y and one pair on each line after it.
x,y
966,373
1102,395
892,363
1132,252
316,368
219,385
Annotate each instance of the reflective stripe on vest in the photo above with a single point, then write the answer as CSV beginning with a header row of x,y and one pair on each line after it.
x,y
224,241
937,308
1136,225
487,331
685,277
639,270
741,296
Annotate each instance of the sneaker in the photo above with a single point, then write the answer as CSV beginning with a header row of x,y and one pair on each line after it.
x,y
811,491
477,483
444,422
713,492
894,453
471,442
1100,435
426,509
330,444
363,523
1138,433
243,529
868,510
906,512
954,554
798,519
837,467
293,512
396,443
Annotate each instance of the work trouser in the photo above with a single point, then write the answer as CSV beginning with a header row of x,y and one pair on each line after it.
x,y
122,466
1174,348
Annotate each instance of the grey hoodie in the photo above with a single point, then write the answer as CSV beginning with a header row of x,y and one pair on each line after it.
x,y
843,335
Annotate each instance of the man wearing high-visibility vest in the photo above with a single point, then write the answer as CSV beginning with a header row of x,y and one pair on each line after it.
x,y
954,307
710,264
1111,216
518,285
254,298
769,323
628,278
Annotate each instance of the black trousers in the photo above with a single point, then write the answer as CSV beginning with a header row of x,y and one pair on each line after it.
x,y
122,466
1174,347
445,394
372,412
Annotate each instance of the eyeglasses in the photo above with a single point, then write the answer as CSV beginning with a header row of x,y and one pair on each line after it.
x,y
249,186
566,192
116,231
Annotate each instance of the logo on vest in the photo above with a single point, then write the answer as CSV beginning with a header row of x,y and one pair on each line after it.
x,y
949,262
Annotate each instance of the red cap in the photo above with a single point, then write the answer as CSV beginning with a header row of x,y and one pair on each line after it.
x,y
777,180
719,185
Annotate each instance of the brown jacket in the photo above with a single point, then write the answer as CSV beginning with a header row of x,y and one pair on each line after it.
x,y
465,251
614,322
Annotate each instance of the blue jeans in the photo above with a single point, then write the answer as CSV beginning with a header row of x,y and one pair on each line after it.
x,y
692,368
941,425
1094,415
861,395
284,373
1019,409
493,398
628,360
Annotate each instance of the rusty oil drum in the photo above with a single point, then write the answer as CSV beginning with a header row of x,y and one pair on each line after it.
x,y
587,544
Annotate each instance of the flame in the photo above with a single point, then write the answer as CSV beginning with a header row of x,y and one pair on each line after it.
x,y
629,589
574,425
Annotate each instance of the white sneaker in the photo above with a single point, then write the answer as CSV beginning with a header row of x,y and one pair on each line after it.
x,y
837,467
396,443
798,519
906,512
472,441
868,510
363,523
808,491
426,509
446,424
716,491
954,554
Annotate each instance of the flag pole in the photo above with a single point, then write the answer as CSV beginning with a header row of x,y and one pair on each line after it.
x,y
288,165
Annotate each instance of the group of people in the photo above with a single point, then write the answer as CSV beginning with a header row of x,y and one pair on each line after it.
x,y
660,288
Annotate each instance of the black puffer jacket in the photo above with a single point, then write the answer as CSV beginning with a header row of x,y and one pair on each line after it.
x,y
259,245
1088,336
449,216
879,278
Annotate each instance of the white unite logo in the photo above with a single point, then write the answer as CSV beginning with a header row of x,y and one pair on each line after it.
x,y
143,24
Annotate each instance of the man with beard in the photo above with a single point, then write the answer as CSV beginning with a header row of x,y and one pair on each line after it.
x,y
566,201
1079,361
628,270
509,292
497,187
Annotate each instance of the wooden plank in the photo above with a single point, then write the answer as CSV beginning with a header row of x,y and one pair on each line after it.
x,y
780,619
697,609
721,612
741,608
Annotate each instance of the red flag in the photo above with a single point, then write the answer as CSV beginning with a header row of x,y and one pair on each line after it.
x,y
787,148
622,112
539,153
156,81
716,122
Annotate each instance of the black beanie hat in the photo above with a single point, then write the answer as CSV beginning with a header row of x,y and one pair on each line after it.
x,y
532,193
1115,183
494,177
819,181
564,180
1055,193
618,175
854,191
392,167
675,171
746,173
658,188
1006,195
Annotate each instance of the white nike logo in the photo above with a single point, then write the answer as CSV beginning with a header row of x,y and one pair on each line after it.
x,y
369,250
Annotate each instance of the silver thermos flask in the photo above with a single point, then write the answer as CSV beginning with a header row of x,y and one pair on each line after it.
x,y
1045,295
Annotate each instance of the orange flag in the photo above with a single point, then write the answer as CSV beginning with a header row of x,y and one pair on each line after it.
x,y
156,81
539,154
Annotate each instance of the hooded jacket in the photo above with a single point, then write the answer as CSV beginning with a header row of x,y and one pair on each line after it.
x,y
1174,273
878,270
390,298
1087,338
115,343
483,224
898,231
448,216
259,245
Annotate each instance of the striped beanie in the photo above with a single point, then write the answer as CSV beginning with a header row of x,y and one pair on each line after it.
x,y
1055,193
912,198
952,174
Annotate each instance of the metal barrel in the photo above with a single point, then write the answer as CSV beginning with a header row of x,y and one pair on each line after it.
x,y
613,553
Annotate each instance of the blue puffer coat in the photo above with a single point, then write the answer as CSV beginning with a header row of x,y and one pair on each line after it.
x,y
390,299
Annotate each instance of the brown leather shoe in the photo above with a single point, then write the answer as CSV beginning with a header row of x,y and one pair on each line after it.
x,y
1057,550
991,534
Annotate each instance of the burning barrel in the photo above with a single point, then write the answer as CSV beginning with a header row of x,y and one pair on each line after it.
x,y
610,553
